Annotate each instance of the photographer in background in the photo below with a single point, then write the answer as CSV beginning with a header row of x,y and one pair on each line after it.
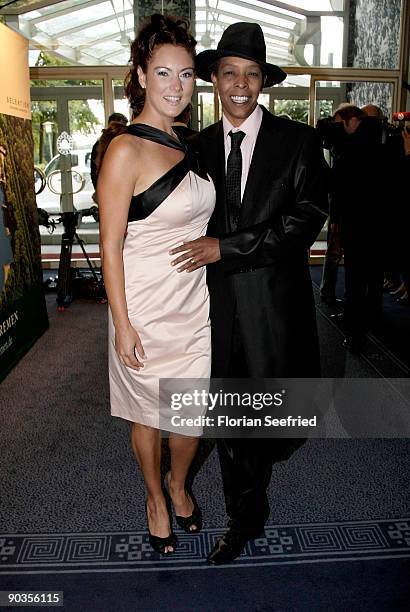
x,y
392,151
357,192
331,135
397,221
372,110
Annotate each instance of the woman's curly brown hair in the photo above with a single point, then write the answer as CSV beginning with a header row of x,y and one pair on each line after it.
x,y
155,31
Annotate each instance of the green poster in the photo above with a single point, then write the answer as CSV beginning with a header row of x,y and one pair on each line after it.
x,y
23,315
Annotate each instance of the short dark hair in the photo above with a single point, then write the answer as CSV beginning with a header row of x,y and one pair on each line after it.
x,y
118,117
348,111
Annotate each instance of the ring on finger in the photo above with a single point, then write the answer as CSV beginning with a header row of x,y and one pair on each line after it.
x,y
193,261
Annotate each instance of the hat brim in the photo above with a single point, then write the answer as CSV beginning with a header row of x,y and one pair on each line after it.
x,y
205,60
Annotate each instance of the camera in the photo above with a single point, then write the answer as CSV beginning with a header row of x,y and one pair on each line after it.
x,y
331,133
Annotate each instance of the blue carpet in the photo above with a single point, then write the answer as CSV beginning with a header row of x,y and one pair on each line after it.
x,y
130,551
360,586
332,566
72,512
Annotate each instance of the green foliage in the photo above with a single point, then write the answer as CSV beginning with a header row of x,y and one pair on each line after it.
x,y
325,108
47,59
82,119
298,110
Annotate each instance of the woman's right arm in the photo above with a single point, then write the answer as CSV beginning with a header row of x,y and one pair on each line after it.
x,y
116,182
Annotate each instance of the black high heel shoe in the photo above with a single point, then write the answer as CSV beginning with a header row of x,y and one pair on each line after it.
x,y
195,520
160,544
187,522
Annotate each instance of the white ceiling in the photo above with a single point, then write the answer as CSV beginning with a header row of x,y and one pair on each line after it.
x,y
97,32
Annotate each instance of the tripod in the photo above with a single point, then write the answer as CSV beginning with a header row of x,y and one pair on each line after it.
x,y
65,289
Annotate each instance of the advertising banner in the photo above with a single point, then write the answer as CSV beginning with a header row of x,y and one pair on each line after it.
x,y
23,315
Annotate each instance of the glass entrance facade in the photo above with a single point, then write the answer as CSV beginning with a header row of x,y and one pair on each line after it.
x,y
334,51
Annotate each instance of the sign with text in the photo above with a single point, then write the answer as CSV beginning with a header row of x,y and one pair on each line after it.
x,y
14,74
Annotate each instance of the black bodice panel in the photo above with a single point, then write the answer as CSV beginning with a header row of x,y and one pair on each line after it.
x,y
144,204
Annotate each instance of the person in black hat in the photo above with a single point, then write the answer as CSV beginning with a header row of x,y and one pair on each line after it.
x,y
271,203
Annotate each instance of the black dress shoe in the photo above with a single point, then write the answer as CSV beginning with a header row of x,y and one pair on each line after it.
x,y
230,546
161,545
337,317
354,344
192,523
331,300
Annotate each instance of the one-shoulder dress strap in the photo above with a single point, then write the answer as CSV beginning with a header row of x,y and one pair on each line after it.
x,y
143,204
142,130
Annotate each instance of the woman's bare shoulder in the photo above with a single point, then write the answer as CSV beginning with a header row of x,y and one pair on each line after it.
x,y
124,144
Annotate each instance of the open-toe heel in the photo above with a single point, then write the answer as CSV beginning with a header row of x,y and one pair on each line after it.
x,y
161,544
192,523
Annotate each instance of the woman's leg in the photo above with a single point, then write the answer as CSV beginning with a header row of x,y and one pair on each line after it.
x,y
182,449
146,444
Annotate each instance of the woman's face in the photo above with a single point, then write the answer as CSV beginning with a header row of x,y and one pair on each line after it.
x,y
169,80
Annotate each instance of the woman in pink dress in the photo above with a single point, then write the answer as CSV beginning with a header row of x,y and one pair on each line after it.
x,y
153,196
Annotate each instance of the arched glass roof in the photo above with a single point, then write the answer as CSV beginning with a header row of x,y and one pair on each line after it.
x,y
98,32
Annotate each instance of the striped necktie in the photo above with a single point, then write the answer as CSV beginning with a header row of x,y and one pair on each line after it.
x,y
233,178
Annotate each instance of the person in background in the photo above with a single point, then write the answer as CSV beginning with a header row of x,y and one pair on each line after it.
x,y
334,251
372,110
392,279
113,119
402,227
358,183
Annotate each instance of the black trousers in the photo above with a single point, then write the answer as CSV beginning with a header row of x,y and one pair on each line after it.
x,y
331,263
246,464
364,288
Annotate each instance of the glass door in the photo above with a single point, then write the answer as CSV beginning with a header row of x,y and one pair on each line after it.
x,y
75,107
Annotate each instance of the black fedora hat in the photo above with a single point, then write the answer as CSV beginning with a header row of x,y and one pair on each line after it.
x,y
244,40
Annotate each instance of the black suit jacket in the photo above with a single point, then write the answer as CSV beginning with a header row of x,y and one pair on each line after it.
x,y
264,273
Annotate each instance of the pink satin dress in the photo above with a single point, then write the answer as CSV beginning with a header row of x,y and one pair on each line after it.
x,y
169,310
